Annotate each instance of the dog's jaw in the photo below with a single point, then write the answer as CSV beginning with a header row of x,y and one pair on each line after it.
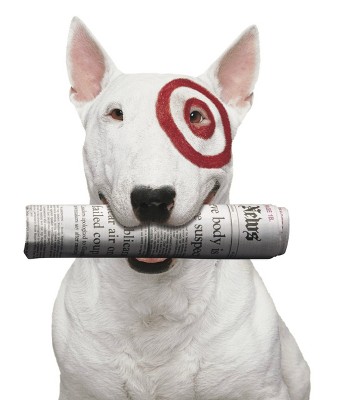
x,y
150,265
145,265
159,265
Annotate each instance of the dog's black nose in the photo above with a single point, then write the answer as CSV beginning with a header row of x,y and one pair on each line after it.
x,y
152,205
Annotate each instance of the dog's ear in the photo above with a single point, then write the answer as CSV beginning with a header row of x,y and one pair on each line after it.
x,y
89,67
235,73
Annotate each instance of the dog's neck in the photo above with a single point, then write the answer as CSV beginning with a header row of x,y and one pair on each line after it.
x,y
169,296
161,313
153,314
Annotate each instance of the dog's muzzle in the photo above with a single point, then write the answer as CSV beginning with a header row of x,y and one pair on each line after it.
x,y
155,206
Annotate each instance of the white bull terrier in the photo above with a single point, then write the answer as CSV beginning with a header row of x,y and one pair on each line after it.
x,y
157,148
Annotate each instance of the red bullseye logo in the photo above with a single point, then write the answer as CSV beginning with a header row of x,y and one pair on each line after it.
x,y
202,131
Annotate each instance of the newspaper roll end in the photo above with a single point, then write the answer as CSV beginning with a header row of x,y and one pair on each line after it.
x,y
26,248
285,229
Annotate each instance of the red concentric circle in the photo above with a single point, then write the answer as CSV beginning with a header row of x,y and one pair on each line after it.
x,y
169,126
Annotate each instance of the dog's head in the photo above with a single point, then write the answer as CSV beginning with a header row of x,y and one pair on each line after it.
x,y
159,146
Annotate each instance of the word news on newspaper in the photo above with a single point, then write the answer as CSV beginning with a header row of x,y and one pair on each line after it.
x,y
218,231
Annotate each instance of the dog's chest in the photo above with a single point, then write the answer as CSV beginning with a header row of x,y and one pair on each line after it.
x,y
157,345
146,367
175,376
189,373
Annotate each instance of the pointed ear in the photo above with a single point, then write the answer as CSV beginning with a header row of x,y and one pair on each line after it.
x,y
89,67
235,73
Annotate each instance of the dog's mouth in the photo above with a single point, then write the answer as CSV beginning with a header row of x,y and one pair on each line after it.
x,y
212,193
150,265
158,265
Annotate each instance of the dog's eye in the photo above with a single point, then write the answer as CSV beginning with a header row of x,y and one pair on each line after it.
x,y
116,114
196,117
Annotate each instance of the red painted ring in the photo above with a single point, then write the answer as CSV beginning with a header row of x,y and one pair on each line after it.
x,y
169,126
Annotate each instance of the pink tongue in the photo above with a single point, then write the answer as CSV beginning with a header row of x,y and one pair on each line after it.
x,y
151,260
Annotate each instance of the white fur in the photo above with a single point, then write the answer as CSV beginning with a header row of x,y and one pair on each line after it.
x,y
205,329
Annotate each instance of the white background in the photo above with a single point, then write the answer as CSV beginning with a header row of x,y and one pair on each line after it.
x,y
286,153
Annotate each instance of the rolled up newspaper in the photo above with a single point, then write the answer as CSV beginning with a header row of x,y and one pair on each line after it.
x,y
218,231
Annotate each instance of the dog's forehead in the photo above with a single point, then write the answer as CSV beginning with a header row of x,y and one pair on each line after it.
x,y
136,87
